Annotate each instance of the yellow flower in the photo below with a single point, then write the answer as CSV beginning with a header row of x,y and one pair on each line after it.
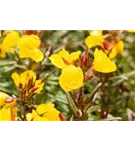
x,y
8,109
10,41
71,78
5,114
117,49
131,31
28,48
2,52
44,112
27,80
63,58
94,39
102,63
3,97
0,33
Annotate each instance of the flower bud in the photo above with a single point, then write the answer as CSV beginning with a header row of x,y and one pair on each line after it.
x,y
62,118
9,100
84,60
103,113
89,74
29,32
34,89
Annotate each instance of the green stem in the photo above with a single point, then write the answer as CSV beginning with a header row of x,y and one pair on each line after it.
x,y
72,104
88,103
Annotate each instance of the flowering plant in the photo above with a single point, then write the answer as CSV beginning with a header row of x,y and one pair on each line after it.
x,y
67,75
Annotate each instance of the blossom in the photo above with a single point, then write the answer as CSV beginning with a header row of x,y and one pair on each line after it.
x,y
63,58
117,49
5,114
3,97
95,38
71,78
2,52
28,48
44,112
131,31
9,42
102,63
8,109
27,80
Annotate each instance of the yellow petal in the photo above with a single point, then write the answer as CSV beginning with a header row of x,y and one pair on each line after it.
x,y
29,116
37,118
2,52
34,113
16,78
52,115
102,63
10,41
36,55
39,85
74,56
131,31
57,61
119,47
92,41
3,97
113,53
42,108
28,48
5,114
63,53
96,33
71,78
33,42
30,41
44,119
26,76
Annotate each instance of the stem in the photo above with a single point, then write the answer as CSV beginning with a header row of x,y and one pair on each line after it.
x,y
90,97
72,104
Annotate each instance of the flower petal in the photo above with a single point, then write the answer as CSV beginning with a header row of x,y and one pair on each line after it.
x,y
5,114
71,78
3,97
102,63
52,115
10,41
16,78
113,53
39,85
74,56
42,108
57,61
26,76
36,55
92,41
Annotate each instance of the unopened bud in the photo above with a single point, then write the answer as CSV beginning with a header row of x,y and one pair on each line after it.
x,y
89,74
34,89
104,113
29,32
88,77
9,100
62,118
84,60
106,45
